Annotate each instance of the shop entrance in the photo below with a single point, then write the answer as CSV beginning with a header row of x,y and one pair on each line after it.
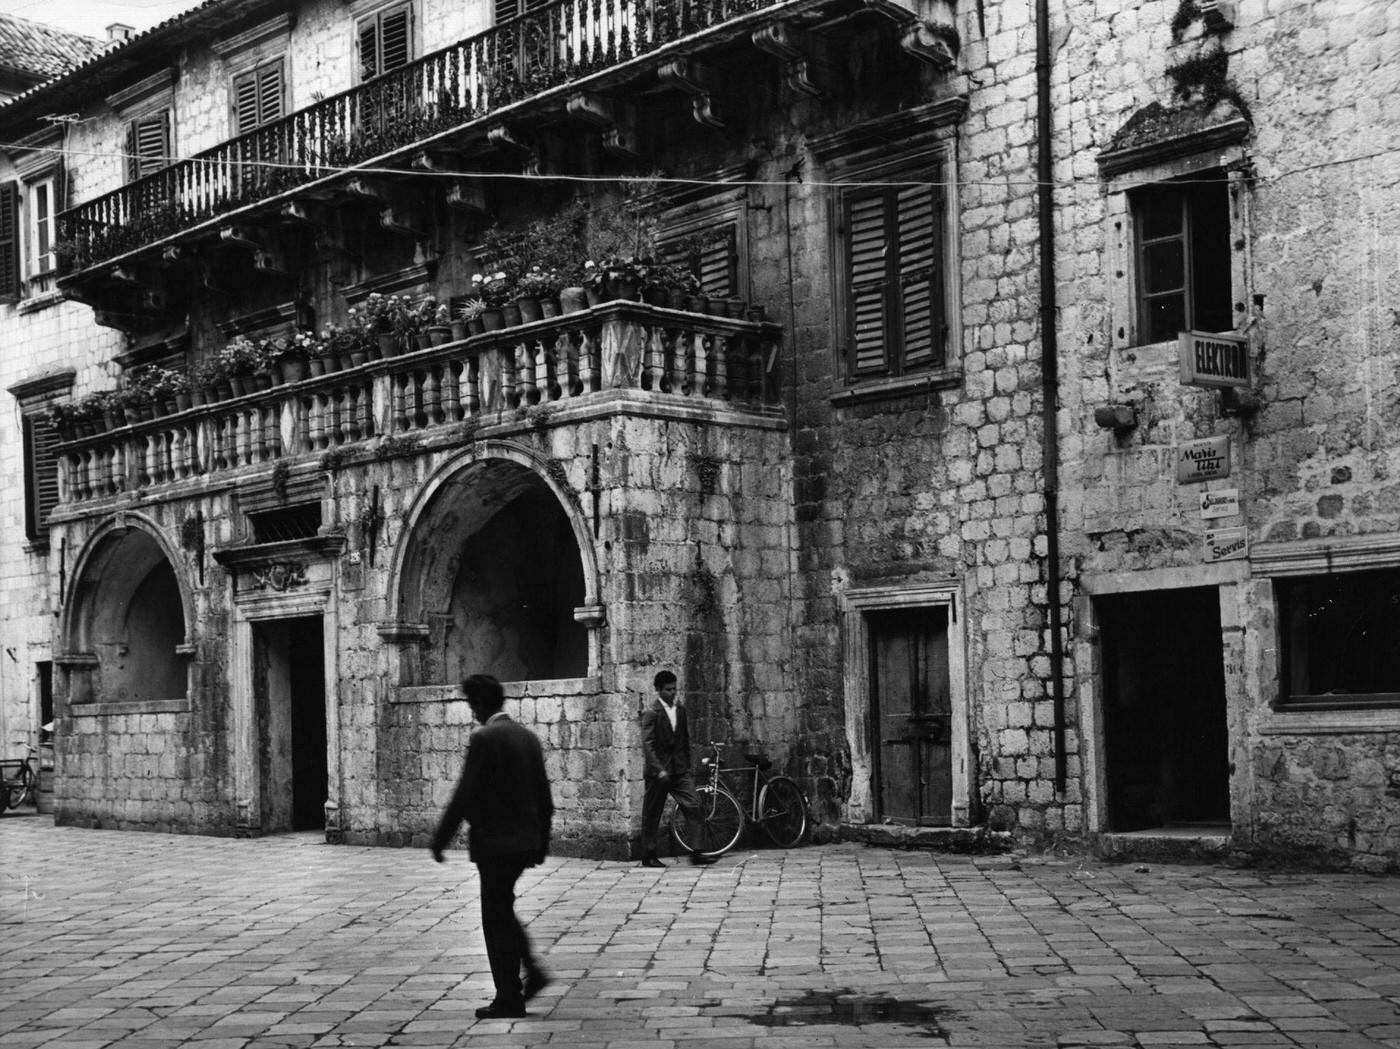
x,y
1165,741
911,714
289,696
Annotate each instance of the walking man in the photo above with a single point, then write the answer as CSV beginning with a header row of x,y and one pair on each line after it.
x,y
666,760
504,795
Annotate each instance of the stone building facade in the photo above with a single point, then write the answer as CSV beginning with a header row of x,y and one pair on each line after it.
x,y
946,514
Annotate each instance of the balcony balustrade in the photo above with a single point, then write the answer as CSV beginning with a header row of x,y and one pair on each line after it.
x,y
562,42
580,360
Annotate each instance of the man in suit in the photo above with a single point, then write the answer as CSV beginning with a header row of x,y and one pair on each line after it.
x,y
504,795
666,766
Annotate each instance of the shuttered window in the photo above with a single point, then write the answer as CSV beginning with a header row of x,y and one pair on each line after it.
x,y
9,242
508,9
147,145
713,257
258,97
894,315
40,474
386,41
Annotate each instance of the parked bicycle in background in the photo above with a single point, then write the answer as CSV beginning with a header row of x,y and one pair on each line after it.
x,y
776,803
19,778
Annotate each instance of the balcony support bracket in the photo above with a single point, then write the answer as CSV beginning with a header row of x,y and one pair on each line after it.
x,y
927,29
700,81
468,196
799,50
503,137
402,221
617,120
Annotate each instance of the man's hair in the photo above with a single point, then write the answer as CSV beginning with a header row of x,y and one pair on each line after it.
x,y
483,688
662,679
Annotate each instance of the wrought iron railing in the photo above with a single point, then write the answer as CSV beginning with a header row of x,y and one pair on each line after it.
x,y
564,41
564,362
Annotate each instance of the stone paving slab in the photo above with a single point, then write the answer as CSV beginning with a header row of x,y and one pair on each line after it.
x,y
120,940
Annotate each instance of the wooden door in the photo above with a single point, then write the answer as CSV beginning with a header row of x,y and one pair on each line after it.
x,y
911,715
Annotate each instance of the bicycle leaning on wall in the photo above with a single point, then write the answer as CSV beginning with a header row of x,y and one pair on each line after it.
x,y
776,803
18,779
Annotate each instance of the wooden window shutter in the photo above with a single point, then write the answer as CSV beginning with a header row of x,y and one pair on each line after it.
x,y
9,242
257,97
716,264
148,145
867,245
919,217
40,474
369,48
245,103
386,41
506,9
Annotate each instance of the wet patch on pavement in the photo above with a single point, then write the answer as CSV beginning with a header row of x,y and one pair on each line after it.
x,y
847,1009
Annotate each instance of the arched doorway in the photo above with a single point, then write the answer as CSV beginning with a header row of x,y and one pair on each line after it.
x,y
493,569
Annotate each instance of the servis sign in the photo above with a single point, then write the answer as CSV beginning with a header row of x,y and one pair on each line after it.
x,y
1213,360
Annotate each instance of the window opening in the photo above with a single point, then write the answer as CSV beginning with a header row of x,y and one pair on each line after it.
x,y
148,145
386,41
1340,639
1183,257
42,215
292,522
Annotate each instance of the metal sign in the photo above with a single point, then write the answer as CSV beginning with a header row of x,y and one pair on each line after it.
x,y
1204,460
1213,360
1223,502
1227,544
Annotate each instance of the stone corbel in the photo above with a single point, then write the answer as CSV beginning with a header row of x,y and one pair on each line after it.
x,y
399,220
363,189
799,51
503,137
927,29
299,213
467,196
270,261
117,319
240,237
435,162
174,255
616,118
701,82
129,277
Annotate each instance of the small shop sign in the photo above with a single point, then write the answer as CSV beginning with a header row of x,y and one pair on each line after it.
x,y
1213,360
1204,460
1226,544
1223,502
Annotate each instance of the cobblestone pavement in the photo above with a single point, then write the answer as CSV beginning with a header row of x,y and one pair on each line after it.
x,y
145,941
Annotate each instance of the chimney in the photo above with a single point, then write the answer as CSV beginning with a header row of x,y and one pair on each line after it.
x,y
118,33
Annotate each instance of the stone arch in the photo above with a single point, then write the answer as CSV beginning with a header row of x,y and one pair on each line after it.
x,y
492,571
127,618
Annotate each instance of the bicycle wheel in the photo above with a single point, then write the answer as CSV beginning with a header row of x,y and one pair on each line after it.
x,y
21,788
715,829
783,811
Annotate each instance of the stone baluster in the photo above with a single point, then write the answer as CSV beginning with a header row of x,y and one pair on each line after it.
x,y
432,396
398,399
585,352
471,380
452,390
345,410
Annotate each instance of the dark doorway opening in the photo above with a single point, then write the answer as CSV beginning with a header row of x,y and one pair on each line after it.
x,y
289,690
911,715
1165,739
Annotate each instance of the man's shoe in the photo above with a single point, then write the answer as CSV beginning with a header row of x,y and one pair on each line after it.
x,y
652,861
699,859
501,1011
536,980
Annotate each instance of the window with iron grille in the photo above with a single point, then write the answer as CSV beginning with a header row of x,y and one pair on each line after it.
x,y
890,241
386,40
301,521
1183,256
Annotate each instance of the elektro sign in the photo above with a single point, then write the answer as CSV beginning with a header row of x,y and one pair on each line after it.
x,y
1214,360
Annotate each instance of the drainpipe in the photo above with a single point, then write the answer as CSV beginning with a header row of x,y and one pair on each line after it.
x,y
1049,378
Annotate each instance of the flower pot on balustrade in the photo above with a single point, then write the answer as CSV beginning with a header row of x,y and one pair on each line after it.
x,y
736,309
293,370
112,418
389,343
331,362
698,303
571,300
358,357
262,380
655,295
549,307
620,288
676,298
439,334
510,313
476,326
316,366
458,330
529,308
755,314
594,295
240,384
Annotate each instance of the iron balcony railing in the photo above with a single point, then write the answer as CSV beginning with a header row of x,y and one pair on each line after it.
x,y
585,362
559,43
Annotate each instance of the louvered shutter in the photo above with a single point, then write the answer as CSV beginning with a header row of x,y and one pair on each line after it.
x,y
41,474
506,9
396,48
867,243
9,242
918,213
369,49
716,264
148,145
245,103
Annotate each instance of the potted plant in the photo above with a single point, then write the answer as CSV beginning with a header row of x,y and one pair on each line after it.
x,y
615,277
241,358
208,381
375,317
440,330
469,317
537,293
495,291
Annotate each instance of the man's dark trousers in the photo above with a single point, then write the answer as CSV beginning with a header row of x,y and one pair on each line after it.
x,y
679,786
506,943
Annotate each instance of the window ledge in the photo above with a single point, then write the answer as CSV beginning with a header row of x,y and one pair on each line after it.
x,y
139,706
1333,721
41,301
905,385
37,546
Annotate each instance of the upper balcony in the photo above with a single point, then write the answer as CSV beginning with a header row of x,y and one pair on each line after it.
x,y
569,61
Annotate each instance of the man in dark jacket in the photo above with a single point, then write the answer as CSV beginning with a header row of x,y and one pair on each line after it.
x,y
504,795
666,766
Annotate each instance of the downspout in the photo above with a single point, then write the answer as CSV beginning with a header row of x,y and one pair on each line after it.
x,y
1049,379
